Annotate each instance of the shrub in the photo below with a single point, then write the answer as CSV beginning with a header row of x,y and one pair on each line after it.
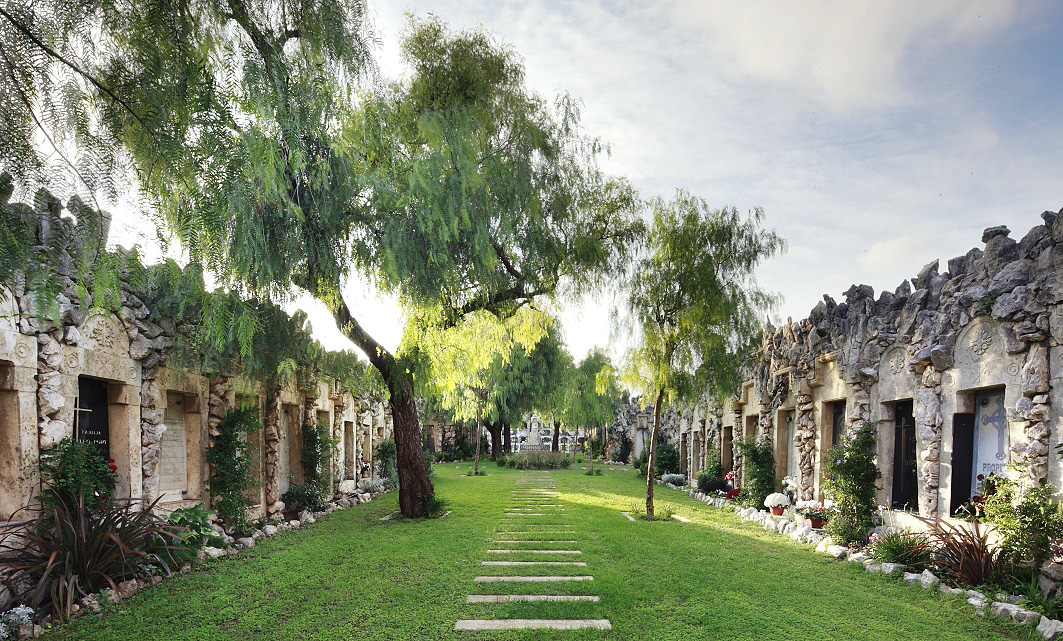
x,y
539,461
623,452
371,486
74,472
194,523
386,453
713,462
850,483
1028,520
667,458
70,551
309,496
758,464
316,460
965,557
435,507
708,483
231,470
661,512
674,479
501,461
911,549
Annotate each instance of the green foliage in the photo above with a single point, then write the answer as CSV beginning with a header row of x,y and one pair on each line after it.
x,y
386,453
1027,519
912,549
667,460
232,473
708,484
70,550
193,533
592,395
538,461
317,462
964,557
661,512
436,507
758,469
695,298
74,473
713,461
851,483
623,452
309,497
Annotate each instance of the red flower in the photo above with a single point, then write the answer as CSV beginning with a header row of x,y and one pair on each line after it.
x,y
114,468
110,460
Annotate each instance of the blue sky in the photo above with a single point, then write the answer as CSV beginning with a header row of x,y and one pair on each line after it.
x,y
877,136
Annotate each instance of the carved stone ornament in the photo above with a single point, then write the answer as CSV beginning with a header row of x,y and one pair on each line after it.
x,y
981,341
897,361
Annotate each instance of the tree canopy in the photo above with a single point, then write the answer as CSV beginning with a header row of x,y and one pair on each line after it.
x,y
458,190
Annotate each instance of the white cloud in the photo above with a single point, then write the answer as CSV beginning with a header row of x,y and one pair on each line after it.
x,y
843,54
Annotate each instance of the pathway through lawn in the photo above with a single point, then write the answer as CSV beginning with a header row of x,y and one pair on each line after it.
x,y
352,576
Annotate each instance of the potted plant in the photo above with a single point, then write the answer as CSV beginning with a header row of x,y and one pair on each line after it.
x,y
777,502
815,514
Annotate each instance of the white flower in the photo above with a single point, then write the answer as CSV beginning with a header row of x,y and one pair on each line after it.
x,y
777,499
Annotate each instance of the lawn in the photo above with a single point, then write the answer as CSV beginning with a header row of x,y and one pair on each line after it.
x,y
352,576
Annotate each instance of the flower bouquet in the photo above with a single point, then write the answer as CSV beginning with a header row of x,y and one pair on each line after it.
x,y
777,503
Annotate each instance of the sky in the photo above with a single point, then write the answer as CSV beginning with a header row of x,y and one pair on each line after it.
x,y
876,136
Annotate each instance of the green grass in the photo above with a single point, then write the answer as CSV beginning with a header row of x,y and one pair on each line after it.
x,y
353,576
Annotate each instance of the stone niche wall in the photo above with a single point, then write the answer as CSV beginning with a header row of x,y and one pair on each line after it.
x,y
992,319
44,361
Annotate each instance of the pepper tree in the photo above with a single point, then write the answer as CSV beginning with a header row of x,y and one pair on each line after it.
x,y
694,304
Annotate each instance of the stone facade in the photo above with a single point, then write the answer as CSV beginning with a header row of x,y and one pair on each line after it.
x,y
953,367
106,377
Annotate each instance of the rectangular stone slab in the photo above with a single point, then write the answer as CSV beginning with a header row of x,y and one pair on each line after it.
x,y
535,551
532,563
532,579
507,598
533,624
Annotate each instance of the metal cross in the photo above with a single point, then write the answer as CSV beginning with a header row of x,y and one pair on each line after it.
x,y
997,420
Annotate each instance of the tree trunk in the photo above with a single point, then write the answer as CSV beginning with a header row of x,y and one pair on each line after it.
x,y
554,446
415,484
650,471
507,438
479,431
591,457
496,439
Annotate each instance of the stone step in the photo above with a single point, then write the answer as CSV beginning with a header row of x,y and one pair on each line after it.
x,y
531,579
534,541
534,551
509,563
533,624
508,598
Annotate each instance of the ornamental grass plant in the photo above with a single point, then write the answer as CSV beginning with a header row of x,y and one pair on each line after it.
x,y
912,549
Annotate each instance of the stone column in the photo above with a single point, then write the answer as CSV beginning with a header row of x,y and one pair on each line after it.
x,y
1032,412
805,439
271,438
928,438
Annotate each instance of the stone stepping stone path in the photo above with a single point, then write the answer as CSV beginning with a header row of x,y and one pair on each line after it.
x,y
529,499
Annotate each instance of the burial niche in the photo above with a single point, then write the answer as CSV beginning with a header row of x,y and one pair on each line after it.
x,y
91,423
979,444
905,482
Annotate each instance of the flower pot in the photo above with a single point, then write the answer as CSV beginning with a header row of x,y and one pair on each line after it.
x,y
777,511
815,523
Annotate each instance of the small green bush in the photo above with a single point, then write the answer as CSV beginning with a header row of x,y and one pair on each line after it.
x,y
851,475
310,497
1027,519
195,533
539,461
713,462
501,461
708,484
73,473
386,453
758,467
911,549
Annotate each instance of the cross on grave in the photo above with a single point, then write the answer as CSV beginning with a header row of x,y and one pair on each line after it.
x,y
997,420
77,415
